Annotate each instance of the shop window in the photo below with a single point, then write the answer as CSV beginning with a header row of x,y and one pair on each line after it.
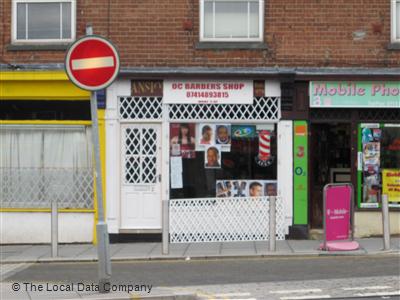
x,y
41,164
380,155
45,110
36,21
395,21
222,160
224,20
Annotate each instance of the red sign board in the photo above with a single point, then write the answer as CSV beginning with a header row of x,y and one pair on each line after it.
x,y
338,201
92,63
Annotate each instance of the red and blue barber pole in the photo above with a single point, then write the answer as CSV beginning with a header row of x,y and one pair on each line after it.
x,y
264,157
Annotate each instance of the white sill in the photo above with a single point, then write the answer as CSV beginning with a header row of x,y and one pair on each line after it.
x,y
38,46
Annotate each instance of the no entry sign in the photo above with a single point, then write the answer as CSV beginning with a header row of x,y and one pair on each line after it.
x,y
92,63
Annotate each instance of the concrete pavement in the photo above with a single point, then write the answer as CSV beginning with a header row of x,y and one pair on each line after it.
x,y
15,258
11,254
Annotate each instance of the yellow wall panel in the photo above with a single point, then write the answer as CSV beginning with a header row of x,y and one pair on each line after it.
x,y
39,85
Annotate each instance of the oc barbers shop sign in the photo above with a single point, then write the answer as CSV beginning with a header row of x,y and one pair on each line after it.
x,y
208,91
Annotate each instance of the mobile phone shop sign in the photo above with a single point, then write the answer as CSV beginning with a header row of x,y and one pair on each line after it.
x,y
355,94
208,91
337,212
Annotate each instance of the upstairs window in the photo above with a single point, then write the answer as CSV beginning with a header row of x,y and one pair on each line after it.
x,y
395,21
231,20
41,21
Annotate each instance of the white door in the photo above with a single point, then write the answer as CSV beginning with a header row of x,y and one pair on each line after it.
x,y
140,178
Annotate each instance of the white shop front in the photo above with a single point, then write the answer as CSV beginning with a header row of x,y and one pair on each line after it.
x,y
196,144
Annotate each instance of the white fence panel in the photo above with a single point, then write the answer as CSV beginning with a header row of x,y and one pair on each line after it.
x,y
223,219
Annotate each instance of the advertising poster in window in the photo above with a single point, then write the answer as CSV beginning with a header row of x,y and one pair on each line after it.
x,y
206,134
243,132
212,157
214,134
183,140
391,185
371,165
380,163
246,188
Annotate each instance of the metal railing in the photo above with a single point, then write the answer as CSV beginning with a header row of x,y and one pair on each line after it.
x,y
39,187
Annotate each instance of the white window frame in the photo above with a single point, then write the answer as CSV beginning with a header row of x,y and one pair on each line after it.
x,y
260,25
394,21
14,39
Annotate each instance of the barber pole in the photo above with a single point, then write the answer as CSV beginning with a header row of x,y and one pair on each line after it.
x,y
264,158
264,142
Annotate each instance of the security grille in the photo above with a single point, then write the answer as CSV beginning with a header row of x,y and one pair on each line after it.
x,y
261,109
38,187
151,108
140,108
140,154
328,115
223,219
388,114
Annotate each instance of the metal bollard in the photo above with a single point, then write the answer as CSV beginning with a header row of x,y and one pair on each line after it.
x,y
54,229
165,228
385,222
272,223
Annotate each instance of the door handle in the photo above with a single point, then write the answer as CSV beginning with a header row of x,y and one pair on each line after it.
x,y
159,177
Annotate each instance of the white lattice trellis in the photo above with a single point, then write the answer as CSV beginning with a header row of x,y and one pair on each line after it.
x,y
140,154
223,219
38,187
140,108
261,109
151,108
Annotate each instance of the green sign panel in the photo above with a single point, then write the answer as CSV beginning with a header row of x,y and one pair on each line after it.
x,y
300,176
355,94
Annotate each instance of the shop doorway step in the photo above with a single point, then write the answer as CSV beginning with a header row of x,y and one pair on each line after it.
x,y
316,234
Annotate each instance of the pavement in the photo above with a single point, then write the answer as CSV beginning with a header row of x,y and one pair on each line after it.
x,y
15,258
153,251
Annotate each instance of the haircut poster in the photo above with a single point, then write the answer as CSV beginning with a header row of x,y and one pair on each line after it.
x,y
246,188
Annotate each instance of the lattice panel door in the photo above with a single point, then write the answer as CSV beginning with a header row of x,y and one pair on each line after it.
x,y
140,189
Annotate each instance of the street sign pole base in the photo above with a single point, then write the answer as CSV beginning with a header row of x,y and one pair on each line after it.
x,y
340,246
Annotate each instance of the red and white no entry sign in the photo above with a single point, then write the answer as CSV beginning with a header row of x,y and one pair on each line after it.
x,y
92,63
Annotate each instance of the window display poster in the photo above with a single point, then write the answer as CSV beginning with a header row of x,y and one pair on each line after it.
x,y
206,134
371,151
213,134
176,172
391,184
212,157
246,188
243,131
183,140
223,134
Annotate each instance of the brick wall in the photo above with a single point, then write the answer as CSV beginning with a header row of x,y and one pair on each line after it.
x,y
318,33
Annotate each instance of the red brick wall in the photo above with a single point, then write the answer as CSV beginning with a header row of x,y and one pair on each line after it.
x,y
150,33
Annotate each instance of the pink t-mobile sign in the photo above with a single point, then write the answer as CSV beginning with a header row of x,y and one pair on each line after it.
x,y
338,201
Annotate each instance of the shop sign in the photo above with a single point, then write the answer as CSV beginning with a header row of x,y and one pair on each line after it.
x,y
300,166
391,184
208,91
147,88
330,94
337,211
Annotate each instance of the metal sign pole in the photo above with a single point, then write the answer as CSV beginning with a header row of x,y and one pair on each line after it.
x,y
102,232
